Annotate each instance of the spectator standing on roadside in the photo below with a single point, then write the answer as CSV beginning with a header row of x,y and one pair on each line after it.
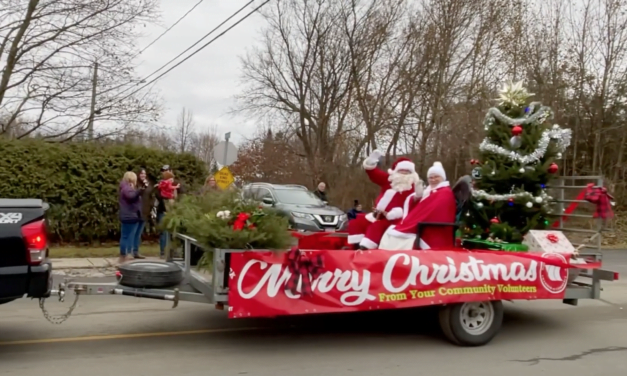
x,y
161,209
321,192
352,214
210,185
146,208
130,202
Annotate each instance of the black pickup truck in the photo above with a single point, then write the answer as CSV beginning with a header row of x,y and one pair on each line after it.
x,y
25,269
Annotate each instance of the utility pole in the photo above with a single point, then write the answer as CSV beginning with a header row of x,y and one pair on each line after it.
x,y
227,136
92,110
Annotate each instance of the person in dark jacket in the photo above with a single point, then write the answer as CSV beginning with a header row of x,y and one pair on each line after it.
x,y
352,214
130,201
146,209
321,192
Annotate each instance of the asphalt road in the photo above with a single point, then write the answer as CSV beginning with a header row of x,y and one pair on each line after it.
x,y
129,336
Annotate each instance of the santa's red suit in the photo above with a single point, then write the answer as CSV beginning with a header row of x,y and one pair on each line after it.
x,y
437,204
396,185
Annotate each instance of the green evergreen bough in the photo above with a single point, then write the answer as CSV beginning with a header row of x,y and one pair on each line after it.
x,y
80,181
203,218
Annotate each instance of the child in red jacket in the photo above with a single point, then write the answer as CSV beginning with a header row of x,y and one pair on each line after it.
x,y
167,189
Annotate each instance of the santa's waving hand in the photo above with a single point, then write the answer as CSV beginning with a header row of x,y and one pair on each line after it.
x,y
395,185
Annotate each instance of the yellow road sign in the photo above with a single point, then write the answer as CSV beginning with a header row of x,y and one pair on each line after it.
x,y
224,178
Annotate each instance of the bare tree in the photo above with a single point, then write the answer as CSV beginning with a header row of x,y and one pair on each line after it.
x,y
154,137
301,74
339,78
49,48
203,143
184,130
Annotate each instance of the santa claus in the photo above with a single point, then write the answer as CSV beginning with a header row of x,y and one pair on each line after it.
x,y
437,204
366,230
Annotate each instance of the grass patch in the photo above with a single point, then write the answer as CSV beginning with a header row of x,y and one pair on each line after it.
x,y
148,250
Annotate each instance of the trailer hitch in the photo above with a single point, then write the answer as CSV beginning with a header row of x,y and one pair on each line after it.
x,y
60,292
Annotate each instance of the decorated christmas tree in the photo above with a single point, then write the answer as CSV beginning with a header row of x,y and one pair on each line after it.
x,y
517,159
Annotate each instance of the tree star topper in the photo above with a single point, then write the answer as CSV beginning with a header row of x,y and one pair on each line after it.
x,y
514,94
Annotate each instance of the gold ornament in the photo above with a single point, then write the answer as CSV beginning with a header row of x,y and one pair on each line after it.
x,y
514,94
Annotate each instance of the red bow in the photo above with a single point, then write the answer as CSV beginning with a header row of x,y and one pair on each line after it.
x,y
552,238
303,267
601,198
240,221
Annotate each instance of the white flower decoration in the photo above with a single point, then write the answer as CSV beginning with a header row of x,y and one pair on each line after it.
x,y
223,214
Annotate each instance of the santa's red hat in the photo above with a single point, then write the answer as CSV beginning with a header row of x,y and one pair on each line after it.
x,y
402,164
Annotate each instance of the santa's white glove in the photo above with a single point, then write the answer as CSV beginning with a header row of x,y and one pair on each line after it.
x,y
373,159
418,189
375,156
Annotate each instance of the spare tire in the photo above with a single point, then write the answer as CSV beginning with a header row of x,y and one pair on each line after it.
x,y
150,274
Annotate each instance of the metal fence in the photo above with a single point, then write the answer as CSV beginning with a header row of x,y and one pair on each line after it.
x,y
579,226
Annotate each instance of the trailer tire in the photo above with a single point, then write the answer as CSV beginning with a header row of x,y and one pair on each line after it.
x,y
150,274
471,323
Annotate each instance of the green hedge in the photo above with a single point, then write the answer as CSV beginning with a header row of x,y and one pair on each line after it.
x,y
80,181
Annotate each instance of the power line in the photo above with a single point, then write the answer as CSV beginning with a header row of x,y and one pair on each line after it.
x,y
194,53
197,42
199,49
153,42
168,29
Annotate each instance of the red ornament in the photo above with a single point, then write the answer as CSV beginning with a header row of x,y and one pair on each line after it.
x,y
511,200
553,168
517,130
474,161
494,220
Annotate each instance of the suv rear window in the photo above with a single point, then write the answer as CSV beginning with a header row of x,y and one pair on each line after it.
x,y
297,197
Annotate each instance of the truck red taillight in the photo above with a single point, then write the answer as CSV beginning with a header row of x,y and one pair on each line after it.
x,y
34,235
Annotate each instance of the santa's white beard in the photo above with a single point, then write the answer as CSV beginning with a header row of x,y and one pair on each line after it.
x,y
403,182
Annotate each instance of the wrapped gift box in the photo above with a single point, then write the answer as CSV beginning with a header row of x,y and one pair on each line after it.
x,y
549,241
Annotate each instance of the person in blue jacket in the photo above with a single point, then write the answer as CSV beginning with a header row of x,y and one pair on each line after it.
x,y
352,214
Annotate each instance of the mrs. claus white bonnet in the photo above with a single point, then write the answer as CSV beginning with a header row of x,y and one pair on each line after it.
x,y
437,169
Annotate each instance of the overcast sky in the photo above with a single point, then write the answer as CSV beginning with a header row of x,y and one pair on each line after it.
x,y
207,82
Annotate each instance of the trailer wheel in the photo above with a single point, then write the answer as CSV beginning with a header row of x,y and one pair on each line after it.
x,y
471,323
150,274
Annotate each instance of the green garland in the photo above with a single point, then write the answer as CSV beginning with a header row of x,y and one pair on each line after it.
x,y
222,220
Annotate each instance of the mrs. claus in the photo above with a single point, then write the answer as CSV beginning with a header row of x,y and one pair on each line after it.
x,y
437,204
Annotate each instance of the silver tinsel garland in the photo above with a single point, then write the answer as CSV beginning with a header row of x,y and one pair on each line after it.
x,y
539,117
561,136
483,195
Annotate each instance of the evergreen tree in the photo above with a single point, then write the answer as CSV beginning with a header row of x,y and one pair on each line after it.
x,y
517,161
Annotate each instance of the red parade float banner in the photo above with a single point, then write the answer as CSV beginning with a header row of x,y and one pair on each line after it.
x,y
266,284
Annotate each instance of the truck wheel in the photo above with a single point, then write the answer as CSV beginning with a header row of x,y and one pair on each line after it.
x,y
150,274
471,323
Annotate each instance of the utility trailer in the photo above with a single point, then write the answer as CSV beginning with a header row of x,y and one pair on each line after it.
x,y
464,323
